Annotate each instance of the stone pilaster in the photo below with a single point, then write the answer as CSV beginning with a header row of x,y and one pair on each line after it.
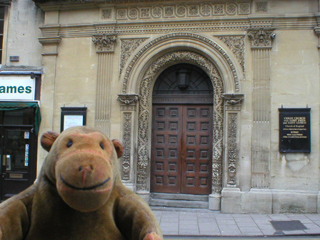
x,y
49,62
128,107
261,44
232,108
105,45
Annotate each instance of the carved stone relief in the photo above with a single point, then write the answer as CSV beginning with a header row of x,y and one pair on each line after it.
x,y
193,10
261,6
145,115
127,130
232,148
127,48
232,102
211,44
128,101
237,46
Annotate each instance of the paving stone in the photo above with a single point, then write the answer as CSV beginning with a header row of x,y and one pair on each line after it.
x,y
279,217
219,224
298,232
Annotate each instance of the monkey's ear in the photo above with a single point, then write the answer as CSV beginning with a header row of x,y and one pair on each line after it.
x,y
118,146
47,140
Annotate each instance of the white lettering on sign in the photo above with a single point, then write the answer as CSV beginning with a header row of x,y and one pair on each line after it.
x,y
17,88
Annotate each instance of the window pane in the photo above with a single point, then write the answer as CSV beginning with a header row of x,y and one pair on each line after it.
x,y
1,12
19,117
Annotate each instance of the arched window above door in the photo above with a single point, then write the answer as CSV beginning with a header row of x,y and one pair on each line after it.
x,y
178,82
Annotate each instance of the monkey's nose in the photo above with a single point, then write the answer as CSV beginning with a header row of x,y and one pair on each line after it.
x,y
85,168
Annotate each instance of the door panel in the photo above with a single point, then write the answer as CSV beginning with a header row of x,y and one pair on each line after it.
x,y
165,153
197,148
181,149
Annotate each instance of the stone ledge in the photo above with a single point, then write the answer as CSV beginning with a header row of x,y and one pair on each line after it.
x,y
269,201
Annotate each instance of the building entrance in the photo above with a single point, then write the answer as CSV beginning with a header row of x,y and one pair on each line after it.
x,y
182,131
18,151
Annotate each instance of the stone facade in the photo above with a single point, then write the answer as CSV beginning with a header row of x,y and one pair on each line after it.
x,y
259,55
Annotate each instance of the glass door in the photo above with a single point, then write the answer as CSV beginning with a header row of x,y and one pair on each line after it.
x,y
17,159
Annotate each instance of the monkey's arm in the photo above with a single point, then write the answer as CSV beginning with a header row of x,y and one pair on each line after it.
x,y
135,218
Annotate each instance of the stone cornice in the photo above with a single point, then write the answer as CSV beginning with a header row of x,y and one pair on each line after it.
x,y
164,26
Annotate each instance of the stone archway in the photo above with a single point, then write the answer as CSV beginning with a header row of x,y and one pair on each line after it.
x,y
144,116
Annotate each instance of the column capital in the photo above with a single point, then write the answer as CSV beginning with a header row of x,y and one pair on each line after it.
x,y
105,42
233,101
261,38
50,45
50,40
128,101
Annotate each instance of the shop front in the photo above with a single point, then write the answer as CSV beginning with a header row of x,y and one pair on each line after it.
x,y
19,126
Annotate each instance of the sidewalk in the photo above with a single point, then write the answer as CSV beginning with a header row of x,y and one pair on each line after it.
x,y
191,222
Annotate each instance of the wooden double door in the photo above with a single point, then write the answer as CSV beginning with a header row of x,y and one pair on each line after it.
x,y
182,149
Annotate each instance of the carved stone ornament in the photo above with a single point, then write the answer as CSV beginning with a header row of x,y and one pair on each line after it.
x,y
233,101
262,6
180,11
127,129
232,148
236,44
128,101
145,105
105,42
261,38
127,48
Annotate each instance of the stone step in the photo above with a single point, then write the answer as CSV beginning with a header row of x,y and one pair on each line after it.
x,y
179,203
187,197
179,200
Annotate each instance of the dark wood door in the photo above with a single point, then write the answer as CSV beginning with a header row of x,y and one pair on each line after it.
x,y
181,149
18,159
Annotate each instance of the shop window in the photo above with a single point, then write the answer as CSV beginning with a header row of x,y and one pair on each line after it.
x,y
17,117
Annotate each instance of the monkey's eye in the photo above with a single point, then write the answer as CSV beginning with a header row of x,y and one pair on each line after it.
x,y
69,144
102,145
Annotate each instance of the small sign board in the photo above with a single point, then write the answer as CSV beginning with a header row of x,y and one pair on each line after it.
x,y
72,117
295,130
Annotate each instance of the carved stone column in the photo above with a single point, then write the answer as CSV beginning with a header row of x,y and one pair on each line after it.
x,y
261,44
232,108
105,45
128,107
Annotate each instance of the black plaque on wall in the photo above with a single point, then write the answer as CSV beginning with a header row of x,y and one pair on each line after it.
x,y
295,130
73,116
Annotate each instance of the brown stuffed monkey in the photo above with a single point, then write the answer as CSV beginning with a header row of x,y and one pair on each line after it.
x,y
78,195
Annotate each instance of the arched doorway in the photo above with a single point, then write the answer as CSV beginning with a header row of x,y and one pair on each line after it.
x,y
181,153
